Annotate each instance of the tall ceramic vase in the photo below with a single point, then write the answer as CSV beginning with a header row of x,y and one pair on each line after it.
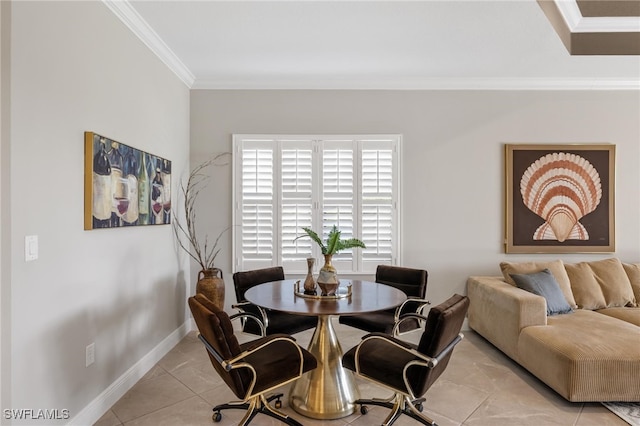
x,y
309,282
327,278
211,286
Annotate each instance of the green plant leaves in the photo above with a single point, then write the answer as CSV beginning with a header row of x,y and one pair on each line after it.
x,y
334,243
352,242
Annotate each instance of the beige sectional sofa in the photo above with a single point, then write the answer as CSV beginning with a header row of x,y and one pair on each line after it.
x,y
590,354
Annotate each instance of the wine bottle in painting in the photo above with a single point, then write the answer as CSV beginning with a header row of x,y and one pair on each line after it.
x,y
143,192
156,195
130,169
101,186
166,190
120,202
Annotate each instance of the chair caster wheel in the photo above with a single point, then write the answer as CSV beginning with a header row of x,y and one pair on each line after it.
x,y
364,409
418,404
217,417
278,404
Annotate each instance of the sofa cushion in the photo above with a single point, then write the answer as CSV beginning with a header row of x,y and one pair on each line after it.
x,y
586,291
584,356
633,272
544,284
600,284
628,314
556,267
614,282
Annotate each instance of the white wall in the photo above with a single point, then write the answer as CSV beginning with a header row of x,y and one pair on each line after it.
x,y
453,161
5,306
74,68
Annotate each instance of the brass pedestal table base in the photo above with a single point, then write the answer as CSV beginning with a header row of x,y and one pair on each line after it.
x,y
328,391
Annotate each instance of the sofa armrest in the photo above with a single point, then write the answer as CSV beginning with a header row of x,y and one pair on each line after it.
x,y
499,311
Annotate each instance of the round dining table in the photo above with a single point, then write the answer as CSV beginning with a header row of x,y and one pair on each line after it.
x,y
329,391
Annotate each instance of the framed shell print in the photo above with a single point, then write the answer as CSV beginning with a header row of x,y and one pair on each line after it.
x,y
559,198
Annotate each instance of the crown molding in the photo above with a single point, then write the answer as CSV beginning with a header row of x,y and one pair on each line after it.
x,y
592,35
132,19
579,24
568,10
427,84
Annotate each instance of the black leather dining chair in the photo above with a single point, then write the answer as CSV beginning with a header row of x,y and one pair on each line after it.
x,y
274,321
250,369
409,369
413,282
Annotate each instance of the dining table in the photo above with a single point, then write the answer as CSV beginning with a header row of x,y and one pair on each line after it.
x,y
329,391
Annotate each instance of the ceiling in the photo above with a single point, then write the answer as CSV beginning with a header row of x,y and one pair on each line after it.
x,y
444,44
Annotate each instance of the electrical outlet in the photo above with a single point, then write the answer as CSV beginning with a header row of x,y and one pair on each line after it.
x,y
90,354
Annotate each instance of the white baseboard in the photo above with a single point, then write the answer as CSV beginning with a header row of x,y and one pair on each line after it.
x,y
96,408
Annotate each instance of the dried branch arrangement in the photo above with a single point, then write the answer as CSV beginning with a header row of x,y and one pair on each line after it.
x,y
201,250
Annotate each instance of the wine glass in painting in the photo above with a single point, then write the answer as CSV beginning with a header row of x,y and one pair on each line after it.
x,y
165,177
157,199
121,197
166,205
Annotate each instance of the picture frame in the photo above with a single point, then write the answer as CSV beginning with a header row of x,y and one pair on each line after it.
x,y
124,186
559,198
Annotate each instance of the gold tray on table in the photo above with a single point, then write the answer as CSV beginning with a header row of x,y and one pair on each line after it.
x,y
342,292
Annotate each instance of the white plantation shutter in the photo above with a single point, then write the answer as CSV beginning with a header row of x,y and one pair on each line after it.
x,y
338,195
296,201
257,210
377,204
284,183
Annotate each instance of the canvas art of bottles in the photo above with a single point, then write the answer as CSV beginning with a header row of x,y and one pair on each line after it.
x,y
128,187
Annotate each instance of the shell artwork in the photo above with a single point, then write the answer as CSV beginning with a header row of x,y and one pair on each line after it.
x,y
561,188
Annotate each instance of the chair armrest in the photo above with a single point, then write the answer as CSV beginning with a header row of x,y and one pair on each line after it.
x,y
238,361
263,329
391,338
419,358
261,344
422,303
211,349
251,346
241,306
387,340
228,364
403,317
446,350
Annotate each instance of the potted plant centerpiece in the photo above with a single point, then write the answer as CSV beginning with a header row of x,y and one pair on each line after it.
x,y
198,246
327,277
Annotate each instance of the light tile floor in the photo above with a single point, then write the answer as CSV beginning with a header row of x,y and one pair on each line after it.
x,y
481,386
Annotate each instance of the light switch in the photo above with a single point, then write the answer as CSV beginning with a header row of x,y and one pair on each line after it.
x,y
30,247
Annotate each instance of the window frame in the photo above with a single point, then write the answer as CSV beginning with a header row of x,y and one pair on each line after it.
x,y
276,142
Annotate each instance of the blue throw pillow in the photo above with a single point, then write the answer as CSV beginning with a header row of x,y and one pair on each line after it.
x,y
544,284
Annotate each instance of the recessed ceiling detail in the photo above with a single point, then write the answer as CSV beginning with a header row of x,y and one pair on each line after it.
x,y
600,8
383,45
596,27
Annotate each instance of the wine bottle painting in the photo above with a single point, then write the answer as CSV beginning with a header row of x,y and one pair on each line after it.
x,y
124,186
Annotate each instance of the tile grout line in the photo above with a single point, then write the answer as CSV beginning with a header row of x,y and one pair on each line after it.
x,y
155,411
475,409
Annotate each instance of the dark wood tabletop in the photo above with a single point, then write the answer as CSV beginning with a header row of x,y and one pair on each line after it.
x,y
366,296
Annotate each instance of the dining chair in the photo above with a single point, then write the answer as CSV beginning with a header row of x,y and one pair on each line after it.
x,y
249,369
407,369
413,282
274,321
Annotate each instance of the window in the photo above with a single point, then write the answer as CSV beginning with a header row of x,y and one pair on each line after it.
x,y
284,183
